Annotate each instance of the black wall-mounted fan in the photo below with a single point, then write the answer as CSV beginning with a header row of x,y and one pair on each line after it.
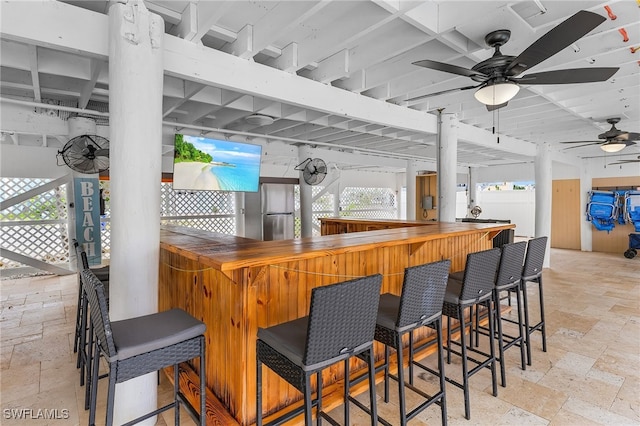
x,y
504,68
313,170
86,154
611,136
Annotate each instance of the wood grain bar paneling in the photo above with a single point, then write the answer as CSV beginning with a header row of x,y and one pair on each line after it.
x,y
237,285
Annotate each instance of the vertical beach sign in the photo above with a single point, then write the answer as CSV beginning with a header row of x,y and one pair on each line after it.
x,y
87,204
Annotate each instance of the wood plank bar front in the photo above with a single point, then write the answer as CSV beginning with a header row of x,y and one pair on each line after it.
x,y
236,285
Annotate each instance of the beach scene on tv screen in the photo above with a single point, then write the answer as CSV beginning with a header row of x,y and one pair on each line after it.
x,y
211,164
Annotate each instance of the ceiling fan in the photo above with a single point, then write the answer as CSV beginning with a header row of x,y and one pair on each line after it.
x,y
497,75
626,161
614,140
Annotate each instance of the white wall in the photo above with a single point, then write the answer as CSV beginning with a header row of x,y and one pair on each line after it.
x,y
508,173
516,206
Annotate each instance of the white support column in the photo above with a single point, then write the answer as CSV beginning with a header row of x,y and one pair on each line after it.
x,y
544,192
586,184
135,106
447,167
306,197
239,201
472,190
411,189
336,190
400,202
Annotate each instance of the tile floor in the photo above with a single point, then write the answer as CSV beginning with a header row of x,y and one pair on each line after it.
x,y
590,374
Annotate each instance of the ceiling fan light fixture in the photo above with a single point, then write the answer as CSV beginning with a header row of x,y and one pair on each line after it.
x,y
613,146
259,120
497,94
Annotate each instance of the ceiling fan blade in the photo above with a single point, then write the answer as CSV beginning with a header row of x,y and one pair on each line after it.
x,y
580,146
624,162
563,35
443,92
569,76
495,107
453,69
629,136
594,142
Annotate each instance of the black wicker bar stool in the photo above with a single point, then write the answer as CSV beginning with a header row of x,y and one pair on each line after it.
x,y
532,272
141,345
420,304
508,279
80,342
475,290
340,324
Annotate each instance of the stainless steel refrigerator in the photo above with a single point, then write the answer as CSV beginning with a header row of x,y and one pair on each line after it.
x,y
277,211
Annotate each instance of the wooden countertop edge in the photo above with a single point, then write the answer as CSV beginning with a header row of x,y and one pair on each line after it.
x,y
254,253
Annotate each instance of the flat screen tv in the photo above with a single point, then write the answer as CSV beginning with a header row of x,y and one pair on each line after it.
x,y
203,164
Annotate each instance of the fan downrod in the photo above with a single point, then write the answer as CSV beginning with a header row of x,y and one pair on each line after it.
x,y
613,121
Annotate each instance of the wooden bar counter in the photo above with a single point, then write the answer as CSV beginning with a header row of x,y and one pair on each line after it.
x,y
236,285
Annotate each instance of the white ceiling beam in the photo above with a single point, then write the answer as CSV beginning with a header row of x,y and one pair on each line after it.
x,y
355,83
35,76
208,14
288,59
87,89
329,69
283,18
23,119
88,35
242,47
217,68
188,25
190,88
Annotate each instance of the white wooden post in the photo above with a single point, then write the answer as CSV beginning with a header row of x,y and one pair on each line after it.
x,y
411,189
586,185
447,168
135,107
544,191
306,197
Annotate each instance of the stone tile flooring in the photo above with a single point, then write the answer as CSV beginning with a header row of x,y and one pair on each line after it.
x,y
590,374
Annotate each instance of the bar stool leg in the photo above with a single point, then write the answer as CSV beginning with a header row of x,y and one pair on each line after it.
x,y
492,349
319,397
307,400
203,384
176,387
401,397
498,319
411,357
527,330
346,391
520,330
372,388
543,327
258,391
443,400
88,366
449,338
386,373
465,372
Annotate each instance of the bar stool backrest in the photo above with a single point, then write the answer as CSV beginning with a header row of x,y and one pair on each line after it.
x,y
510,270
479,275
99,312
534,260
342,317
423,292
82,263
